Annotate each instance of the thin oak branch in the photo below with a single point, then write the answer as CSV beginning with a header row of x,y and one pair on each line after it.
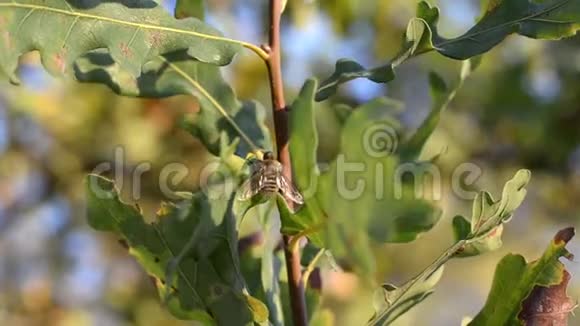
x,y
280,113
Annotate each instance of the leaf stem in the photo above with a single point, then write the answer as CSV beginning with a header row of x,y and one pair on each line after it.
x,y
310,268
69,12
425,274
280,113
264,55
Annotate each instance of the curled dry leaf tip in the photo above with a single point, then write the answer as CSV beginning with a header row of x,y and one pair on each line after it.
x,y
565,235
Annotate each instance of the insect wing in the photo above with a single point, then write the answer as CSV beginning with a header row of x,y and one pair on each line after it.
x,y
249,188
288,190
252,185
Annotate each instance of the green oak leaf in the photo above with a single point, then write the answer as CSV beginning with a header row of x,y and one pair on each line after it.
x,y
341,112
271,266
303,145
197,238
363,193
391,302
175,74
487,243
486,218
515,279
227,155
483,232
261,265
347,70
132,32
547,19
417,38
301,223
304,138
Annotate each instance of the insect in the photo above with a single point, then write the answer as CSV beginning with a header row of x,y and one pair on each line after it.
x,y
266,178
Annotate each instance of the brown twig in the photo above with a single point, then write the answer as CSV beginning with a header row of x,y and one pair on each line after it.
x,y
296,287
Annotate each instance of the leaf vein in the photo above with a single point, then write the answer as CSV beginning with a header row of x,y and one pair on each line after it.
x,y
23,20
133,38
552,21
506,24
69,32
181,273
120,22
68,5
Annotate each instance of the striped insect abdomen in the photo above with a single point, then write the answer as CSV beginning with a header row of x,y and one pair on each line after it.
x,y
270,185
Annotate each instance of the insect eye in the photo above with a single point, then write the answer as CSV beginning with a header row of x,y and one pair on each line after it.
x,y
268,155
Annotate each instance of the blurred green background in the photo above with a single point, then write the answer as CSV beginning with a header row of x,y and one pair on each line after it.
x,y
520,109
